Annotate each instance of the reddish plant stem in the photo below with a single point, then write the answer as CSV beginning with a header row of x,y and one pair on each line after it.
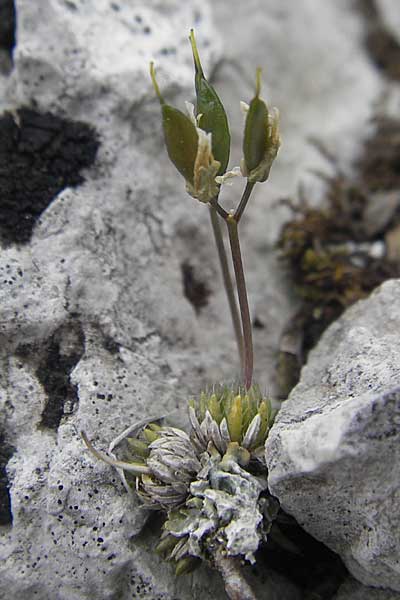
x,y
243,302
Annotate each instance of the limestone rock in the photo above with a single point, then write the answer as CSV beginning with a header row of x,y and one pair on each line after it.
x,y
334,453
95,329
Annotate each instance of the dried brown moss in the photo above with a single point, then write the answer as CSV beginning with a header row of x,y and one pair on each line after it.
x,y
339,253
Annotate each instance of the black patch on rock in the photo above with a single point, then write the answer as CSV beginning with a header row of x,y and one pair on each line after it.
x,y
40,155
64,350
195,290
7,26
6,451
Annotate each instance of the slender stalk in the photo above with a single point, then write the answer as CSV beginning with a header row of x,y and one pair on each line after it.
x,y
221,211
243,202
230,294
243,302
236,585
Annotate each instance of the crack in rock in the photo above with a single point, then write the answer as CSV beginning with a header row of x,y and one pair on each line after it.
x,y
7,29
6,452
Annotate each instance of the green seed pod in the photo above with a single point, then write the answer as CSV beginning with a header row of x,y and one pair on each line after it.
x,y
181,138
213,116
261,137
256,129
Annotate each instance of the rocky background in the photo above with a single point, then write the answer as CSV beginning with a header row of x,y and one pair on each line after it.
x,y
112,307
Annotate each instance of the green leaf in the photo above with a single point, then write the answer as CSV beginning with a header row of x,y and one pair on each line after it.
x,y
213,116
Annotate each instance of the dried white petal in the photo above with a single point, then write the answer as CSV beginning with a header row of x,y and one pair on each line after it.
x,y
244,108
191,112
235,172
204,186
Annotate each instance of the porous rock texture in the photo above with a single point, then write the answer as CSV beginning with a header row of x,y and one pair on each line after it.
x,y
334,453
354,590
96,331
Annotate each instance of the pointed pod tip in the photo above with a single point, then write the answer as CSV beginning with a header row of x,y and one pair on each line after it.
x,y
258,81
196,56
155,84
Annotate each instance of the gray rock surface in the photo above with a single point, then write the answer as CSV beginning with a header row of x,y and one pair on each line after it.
x,y
354,590
334,453
95,329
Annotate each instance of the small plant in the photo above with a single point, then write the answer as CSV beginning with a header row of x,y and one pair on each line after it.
x,y
211,483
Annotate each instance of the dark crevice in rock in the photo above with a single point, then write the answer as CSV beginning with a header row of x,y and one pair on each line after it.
x,y
7,34
40,155
382,47
6,452
110,345
195,290
64,350
309,564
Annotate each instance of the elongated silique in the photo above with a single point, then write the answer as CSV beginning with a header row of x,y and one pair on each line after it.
x,y
212,115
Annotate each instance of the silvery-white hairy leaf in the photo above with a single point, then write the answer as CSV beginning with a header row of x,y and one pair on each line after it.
x,y
252,432
223,427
